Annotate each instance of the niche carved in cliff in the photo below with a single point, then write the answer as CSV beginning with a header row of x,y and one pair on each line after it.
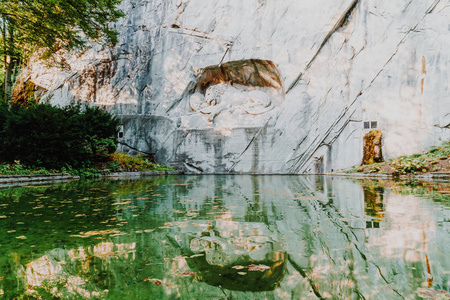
x,y
237,93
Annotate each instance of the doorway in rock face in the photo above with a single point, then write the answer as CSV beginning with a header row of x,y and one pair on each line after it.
x,y
318,165
372,147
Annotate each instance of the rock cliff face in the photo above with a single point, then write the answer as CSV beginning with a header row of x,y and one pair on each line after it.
x,y
261,86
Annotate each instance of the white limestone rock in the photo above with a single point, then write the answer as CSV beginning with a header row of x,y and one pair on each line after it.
x,y
340,64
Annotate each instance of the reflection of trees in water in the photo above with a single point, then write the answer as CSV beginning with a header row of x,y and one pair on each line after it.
x,y
307,241
255,209
373,205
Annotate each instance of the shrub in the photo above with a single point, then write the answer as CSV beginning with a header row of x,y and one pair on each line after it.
x,y
101,132
375,169
132,163
411,164
4,114
18,169
53,137
137,163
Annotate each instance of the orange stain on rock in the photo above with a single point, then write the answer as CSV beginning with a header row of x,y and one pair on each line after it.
x,y
424,72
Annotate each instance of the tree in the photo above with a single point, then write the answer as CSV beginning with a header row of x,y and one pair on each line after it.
x,y
51,25
52,137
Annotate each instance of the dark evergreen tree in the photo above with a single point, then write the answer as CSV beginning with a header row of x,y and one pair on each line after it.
x,y
53,137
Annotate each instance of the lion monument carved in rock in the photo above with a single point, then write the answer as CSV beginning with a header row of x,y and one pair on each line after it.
x,y
225,97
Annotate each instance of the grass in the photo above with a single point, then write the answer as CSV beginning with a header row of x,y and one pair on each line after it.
x,y
437,159
119,162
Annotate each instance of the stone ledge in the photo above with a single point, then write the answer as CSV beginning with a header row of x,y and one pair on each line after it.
x,y
141,174
34,178
6,179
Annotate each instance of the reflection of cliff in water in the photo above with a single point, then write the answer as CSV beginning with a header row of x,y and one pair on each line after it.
x,y
280,236
245,263
235,252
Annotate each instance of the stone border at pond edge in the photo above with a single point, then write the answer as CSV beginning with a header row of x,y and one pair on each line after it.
x,y
7,179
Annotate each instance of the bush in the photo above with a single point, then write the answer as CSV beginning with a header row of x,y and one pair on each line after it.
x,y
410,164
101,132
53,137
18,169
136,163
4,113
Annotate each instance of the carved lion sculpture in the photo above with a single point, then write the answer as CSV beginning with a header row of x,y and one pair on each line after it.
x,y
225,97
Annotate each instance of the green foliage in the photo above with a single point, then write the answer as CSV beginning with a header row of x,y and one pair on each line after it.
x,y
137,163
55,24
4,112
85,173
18,169
47,136
101,133
442,152
357,169
27,26
419,162
409,164
375,169
113,166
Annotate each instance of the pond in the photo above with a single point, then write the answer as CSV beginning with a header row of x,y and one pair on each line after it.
x,y
226,237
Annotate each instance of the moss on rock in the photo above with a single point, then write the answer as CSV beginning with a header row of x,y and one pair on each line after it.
x,y
372,147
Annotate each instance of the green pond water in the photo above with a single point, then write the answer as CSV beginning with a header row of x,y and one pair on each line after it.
x,y
226,237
